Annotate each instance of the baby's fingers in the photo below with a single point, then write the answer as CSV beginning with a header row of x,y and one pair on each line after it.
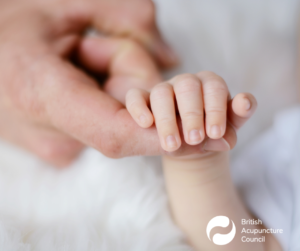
x,y
137,101
163,108
188,92
215,94
240,109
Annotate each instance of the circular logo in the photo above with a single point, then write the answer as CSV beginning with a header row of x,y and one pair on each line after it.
x,y
220,221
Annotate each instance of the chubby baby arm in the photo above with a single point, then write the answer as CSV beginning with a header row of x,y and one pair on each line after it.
x,y
197,110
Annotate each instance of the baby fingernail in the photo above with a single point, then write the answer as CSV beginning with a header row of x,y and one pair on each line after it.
x,y
195,136
215,131
216,145
142,119
171,142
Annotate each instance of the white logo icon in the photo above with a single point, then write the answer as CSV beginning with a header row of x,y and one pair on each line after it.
x,y
220,221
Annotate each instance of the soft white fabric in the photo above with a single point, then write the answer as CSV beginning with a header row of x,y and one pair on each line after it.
x,y
267,174
96,204
102,204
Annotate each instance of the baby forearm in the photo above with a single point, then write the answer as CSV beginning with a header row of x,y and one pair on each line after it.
x,y
201,189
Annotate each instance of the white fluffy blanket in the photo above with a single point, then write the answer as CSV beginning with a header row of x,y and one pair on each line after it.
x,y
103,204
96,204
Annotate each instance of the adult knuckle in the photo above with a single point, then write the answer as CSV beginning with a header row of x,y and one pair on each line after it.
x,y
61,153
49,151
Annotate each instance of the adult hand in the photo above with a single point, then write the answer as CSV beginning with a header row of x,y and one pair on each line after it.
x,y
51,107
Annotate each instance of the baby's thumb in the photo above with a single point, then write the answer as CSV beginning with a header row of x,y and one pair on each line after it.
x,y
240,109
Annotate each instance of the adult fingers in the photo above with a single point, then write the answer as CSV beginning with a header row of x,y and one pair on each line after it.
x,y
72,103
45,142
163,108
126,62
49,144
135,19
215,95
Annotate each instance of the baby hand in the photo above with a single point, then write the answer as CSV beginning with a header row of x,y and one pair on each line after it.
x,y
207,115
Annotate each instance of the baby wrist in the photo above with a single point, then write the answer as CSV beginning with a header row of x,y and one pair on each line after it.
x,y
197,171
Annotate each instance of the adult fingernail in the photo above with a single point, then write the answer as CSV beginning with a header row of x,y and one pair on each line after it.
x,y
195,136
215,131
216,145
171,142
